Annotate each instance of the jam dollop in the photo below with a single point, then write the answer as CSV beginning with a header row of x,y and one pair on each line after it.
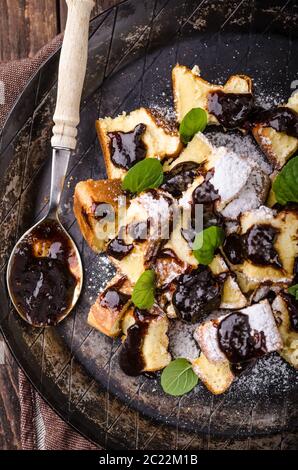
x,y
127,148
197,293
114,299
231,109
41,279
206,194
102,211
131,359
281,118
256,245
179,178
239,110
260,245
117,248
234,248
237,340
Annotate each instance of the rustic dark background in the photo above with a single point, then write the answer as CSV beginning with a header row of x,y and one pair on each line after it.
x,y
25,26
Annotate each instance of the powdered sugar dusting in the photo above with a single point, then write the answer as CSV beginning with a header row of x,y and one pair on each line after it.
x,y
271,374
100,272
243,145
261,319
167,112
230,175
182,343
252,195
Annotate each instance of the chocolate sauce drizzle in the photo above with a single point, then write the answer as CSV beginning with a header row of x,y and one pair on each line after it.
x,y
231,109
282,119
117,248
102,211
127,148
131,359
239,110
237,341
113,297
256,245
179,178
197,294
206,195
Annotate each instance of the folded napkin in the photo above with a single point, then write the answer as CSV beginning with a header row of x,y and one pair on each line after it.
x,y
41,427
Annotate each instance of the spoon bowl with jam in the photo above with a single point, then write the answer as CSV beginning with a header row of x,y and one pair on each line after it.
x,y
44,272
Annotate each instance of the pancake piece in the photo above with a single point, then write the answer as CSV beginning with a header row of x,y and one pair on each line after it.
x,y
96,206
129,138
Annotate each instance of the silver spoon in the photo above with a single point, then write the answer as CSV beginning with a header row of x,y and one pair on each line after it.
x,y
44,272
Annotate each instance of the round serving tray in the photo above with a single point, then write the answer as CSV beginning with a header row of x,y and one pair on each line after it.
x,y
132,49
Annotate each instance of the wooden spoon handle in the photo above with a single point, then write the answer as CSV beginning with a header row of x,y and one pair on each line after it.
x,y
72,70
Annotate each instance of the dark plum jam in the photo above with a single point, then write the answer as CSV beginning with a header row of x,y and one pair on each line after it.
x,y
131,359
102,211
179,178
206,194
117,248
113,298
239,110
256,245
127,148
197,294
231,109
260,249
282,119
41,278
234,248
237,341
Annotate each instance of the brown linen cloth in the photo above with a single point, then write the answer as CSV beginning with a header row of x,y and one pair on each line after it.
x,y
41,427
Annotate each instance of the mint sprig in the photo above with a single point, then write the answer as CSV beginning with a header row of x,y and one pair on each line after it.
x,y
293,290
285,185
146,174
144,290
178,377
194,121
206,242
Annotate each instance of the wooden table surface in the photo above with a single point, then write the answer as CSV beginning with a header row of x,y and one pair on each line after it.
x,y
25,26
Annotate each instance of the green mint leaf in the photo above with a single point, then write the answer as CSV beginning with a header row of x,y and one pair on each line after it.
x,y
178,377
285,185
194,121
144,290
146,174
293,290
206,242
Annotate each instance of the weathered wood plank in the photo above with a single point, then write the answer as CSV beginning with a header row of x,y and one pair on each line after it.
x,y
25,26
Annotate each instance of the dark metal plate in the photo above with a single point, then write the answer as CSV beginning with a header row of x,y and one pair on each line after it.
x,y
132,49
